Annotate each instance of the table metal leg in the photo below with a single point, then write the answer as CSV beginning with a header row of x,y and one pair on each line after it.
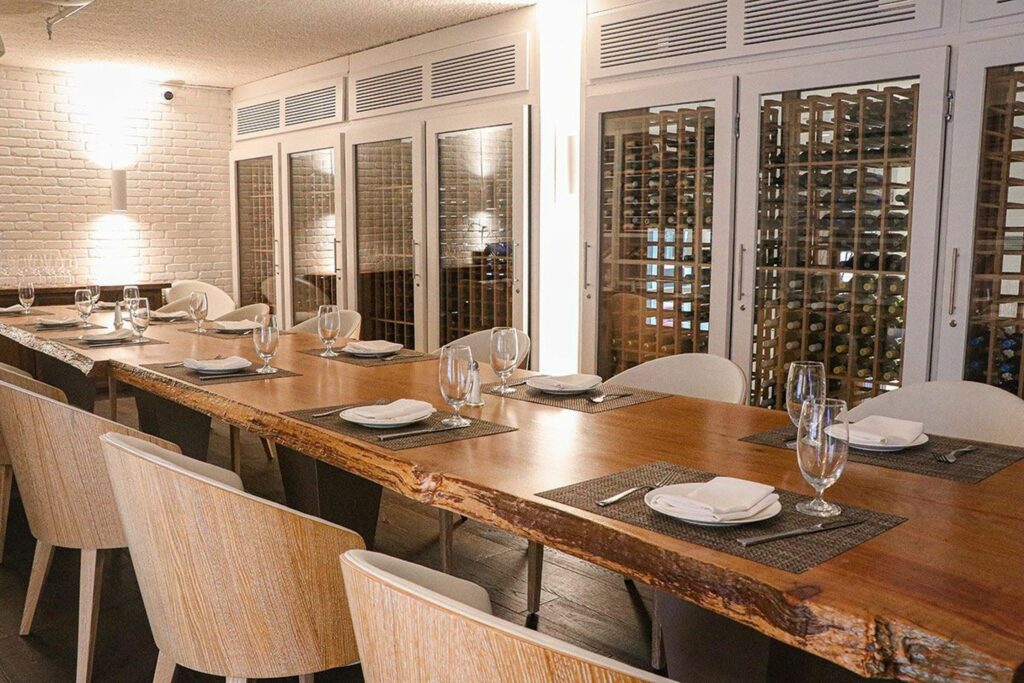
x,y
112,395
187,428
446,520
235,436
80,389
534,570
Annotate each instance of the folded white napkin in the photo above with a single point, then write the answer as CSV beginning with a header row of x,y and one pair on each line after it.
x,y
116,335
720,500
678,506
885,431
565,383
168,315
217,364
105,305
376,346
66,321
16,308
403,408
234,325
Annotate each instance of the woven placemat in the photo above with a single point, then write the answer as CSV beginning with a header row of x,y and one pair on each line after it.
x,y
336,424
403,356
218,334
5,316
969,468
186,375
581,402
74,341
35,327
790,554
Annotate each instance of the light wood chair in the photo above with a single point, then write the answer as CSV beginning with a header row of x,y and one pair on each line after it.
x,y
351,321
416,625
218,301
62,476
700,375
233,585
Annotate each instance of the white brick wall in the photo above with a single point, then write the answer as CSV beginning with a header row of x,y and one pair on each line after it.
x,y
55,195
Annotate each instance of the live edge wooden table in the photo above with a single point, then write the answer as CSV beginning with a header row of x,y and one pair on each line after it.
x,y
938,598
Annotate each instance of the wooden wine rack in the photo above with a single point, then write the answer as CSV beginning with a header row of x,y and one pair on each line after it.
x,y
255,198
833,235
996,320
657,182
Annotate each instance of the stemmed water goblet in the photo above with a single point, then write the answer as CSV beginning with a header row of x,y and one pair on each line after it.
x,y
84,304
806,380
455,378
26,295
198,307
823,436
504,356
328,326
139,316
265,338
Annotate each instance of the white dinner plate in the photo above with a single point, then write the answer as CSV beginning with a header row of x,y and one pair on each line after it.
x,y
884,448
370,354
223,371
348,416
560,392
683,489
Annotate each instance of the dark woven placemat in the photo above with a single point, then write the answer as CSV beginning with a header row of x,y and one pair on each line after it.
x,y
6,316
186,375
581,402
791,554
74,341
219,334
35,327
336,424
969,468
403,356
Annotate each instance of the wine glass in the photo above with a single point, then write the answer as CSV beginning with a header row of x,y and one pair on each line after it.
x,y
94,290
822,446
455,377
84,304
806,380
328,326
139,315
198,307
128,293
265,338
504,356
26,295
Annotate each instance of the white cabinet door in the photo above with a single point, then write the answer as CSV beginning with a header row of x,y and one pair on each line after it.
x,y
657,223
982,317
477,208
837,210
256,217
385,232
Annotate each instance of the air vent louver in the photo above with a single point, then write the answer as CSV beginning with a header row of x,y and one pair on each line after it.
x,y
470,73
767,21
315,105
674,33
255,118
389,90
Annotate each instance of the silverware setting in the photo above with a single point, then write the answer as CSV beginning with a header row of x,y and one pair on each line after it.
x,y
417,432
611,500
952,455
601,398
181,362
521,382
335,411
748,541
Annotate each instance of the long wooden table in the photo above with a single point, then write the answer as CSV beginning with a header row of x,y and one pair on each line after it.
x,y
938,598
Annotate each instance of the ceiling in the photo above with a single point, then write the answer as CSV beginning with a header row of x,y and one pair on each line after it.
x,y
222,42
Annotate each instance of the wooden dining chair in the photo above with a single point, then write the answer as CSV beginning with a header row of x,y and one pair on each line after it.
x,y
417,625
62,476
233,585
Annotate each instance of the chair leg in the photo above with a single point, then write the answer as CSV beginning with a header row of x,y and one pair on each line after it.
x,y
236,449
270,448
657,640
534,569
88,611
112,395
235,679
306,678
447,522
164,669
40,568
6,484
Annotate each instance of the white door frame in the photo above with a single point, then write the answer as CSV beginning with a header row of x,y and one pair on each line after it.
x,y
723,92
256,149
376,132
932,67
518,117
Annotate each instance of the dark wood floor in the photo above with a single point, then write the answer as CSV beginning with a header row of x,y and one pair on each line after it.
x,y
582,603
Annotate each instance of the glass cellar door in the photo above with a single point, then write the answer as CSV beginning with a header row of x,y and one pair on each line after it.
x,y
312,226
257,242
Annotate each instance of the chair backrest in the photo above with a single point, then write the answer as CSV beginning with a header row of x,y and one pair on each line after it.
x,y
413,628
54,449
20,378
233,585
351,321
700,375
245,312
175,305
968,410
219,302
480,343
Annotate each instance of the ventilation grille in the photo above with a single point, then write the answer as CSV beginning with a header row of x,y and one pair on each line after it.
x,y
470,73
675,33
767,21
315,105
258,117
389,90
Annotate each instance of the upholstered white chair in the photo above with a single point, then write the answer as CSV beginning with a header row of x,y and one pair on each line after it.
x,y
967,410
417,625
699,375
244,313
351,321
219,302
174,306
234,585
480,344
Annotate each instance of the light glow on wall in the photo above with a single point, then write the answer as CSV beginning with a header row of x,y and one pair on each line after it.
x,y
114,250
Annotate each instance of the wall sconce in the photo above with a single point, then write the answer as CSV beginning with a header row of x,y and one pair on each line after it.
x,y
118,190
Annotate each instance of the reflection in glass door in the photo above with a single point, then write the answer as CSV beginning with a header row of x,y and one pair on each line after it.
x,y
657,187
312,226
254,180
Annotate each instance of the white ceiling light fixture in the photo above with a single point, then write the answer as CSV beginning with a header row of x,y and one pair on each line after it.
x,y
65,9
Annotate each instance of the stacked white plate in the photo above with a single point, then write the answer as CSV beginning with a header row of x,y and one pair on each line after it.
x,y
234,326
723,501
400,413
881,434
60,323
565,385
219,366
121,335
372,349
168,316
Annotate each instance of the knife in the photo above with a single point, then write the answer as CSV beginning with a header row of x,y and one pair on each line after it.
x,y
204,378
821,526
417,432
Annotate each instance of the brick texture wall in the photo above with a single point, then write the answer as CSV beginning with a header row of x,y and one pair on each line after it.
x,y
55,132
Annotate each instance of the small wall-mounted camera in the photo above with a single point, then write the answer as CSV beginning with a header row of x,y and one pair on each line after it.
x,y
168,95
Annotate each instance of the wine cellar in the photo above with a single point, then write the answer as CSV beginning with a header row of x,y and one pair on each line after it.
x,y
833,234
313,231
256,246
657,180
996,320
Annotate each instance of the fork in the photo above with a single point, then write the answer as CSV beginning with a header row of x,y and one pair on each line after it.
x,y
601,398
951,456
610,500
335,411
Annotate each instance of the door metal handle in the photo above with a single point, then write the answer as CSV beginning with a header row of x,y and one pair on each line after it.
x,y
739,280
586,265
952,281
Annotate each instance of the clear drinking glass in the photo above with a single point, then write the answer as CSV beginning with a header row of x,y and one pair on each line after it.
x,y
806,380
504,356
128,293
26,295
328,326
139,315
265,338
456,380
84,304
198,306
822,436
94,290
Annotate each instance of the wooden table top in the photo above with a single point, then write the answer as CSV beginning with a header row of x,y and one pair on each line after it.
x,y
939,597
